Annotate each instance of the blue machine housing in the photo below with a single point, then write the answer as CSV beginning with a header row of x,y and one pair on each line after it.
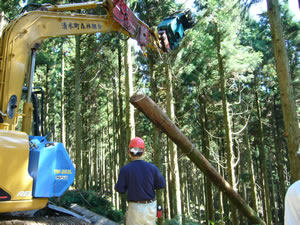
x,y
175,26
174,29
50,166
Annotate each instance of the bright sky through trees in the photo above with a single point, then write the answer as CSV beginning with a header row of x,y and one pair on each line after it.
x,y
262,7
257,8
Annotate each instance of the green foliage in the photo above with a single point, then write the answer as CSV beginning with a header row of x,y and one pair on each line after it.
x,y
152,13
185,221
90,200
174,221
11,8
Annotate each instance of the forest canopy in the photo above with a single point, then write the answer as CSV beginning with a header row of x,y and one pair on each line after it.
x,y
226,87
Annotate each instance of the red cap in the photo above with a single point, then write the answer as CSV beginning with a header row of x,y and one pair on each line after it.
x,y
137,142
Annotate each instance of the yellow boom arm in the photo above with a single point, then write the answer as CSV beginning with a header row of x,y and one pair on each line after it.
x,y
18,45
22,36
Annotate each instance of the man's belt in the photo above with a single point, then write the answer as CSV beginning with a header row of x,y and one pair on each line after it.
x,y
143,202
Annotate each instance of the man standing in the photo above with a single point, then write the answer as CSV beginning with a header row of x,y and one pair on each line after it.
x,y
292,203
139,179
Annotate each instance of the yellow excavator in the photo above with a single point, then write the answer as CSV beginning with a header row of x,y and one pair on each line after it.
x,y
33,169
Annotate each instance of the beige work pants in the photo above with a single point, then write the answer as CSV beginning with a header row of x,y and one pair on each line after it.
x,y
141,214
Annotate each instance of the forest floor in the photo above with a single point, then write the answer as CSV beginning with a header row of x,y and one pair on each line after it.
x,y
81,216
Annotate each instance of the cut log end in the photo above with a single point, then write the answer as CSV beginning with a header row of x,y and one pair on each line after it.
x,y
137,97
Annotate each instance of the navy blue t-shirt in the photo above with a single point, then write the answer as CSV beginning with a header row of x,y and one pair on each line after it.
x,y
140,179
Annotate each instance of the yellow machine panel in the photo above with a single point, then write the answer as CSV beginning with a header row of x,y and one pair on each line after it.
x,y
14,161
14,177
13,206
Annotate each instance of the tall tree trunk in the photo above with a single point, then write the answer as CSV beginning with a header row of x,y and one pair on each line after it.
x,y
263,155
221,205
280,162
273,196
227,125
292,130
176,195
130,132
47,99
186,190
78,115
251,171
109,147
95,160
84,143
201,197
157,146
243,192
103,164
183,190
122,145
167,189
63,122
205,148
115,138
105,159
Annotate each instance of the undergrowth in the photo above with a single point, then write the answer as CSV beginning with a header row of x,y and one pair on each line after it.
x,y
91,201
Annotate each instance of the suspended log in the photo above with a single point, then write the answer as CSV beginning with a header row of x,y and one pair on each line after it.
x,y
146,105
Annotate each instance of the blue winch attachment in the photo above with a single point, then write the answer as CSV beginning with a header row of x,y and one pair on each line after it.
x,y
50,166
173,27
